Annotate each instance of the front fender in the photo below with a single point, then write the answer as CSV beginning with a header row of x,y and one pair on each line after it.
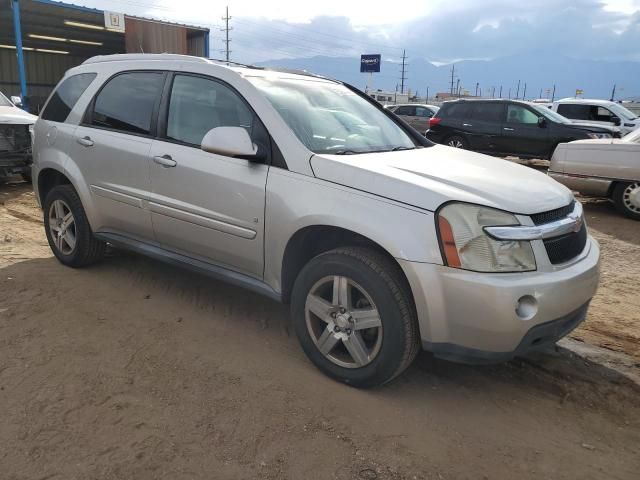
x,y
297,201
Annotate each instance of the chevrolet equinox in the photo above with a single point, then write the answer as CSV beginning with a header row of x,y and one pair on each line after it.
x,y
303,189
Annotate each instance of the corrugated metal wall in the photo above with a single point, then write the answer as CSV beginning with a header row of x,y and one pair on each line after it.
x,y
151,37
195,44
43,71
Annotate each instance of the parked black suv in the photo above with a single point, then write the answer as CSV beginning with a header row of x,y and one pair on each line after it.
x,y
506,128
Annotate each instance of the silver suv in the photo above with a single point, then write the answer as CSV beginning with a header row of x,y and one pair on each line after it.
x,y
307,191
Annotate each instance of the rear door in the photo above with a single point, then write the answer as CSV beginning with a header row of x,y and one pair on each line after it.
x,y
484,126
408,114
112,149
206,205
522,136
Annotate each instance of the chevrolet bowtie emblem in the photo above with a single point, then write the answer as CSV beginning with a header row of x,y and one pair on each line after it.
x,y
578,224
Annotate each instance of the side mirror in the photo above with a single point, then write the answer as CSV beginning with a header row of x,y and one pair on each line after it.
x,y
542,122
16,100
616,121
230,142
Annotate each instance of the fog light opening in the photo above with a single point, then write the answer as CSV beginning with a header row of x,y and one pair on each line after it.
x,y
527,307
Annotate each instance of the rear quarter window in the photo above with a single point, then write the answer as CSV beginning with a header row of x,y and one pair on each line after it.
x,y
66,96
455,110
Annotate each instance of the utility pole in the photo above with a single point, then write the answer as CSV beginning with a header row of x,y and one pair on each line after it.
x,y
553,96
477,86
524,94
226,30
518,91
403,77
458,88
427,97
453,76
500,95
613,93
493,92
509,93
540,96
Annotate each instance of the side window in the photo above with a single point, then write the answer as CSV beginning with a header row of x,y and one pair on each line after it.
x,y
198,104
520,114
65,97
423,112
126,102
488,112
406,110
604,115
575,112
459,110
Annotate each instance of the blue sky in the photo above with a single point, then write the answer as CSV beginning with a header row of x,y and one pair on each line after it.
x,y
440,31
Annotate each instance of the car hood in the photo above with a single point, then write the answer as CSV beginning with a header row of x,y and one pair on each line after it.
x,y
429,177
16,116
596,127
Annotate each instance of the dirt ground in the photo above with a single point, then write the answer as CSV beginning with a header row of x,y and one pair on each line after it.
x,y
136,370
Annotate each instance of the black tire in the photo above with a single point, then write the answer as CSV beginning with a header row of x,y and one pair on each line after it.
x,y
621,199
454,140
88,249
384,282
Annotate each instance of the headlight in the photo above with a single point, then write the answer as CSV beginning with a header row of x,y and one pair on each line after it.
x,y
466,245
599,135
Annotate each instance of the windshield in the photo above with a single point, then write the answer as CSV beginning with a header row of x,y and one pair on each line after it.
x,y
623,112
329,118
550,114
633,137
4,101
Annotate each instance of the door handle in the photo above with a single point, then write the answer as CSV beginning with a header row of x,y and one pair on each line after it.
x,y
166,161
508,129
85,141
467,125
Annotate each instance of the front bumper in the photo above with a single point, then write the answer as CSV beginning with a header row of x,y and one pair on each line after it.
x,y
474,317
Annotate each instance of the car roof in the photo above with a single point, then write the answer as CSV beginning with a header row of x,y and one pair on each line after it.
x,y
169,58
414,105
585,101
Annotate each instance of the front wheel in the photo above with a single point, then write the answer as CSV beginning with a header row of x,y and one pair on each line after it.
x,y
626,197
354,316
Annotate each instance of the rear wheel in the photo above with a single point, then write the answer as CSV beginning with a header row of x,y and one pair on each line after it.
x,y
626,197
457,141
354,316
67,228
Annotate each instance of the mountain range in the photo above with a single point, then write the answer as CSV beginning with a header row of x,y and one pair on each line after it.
x,y
539,72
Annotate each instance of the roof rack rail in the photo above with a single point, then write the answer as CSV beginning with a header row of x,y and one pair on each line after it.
x,y
220,60
121,57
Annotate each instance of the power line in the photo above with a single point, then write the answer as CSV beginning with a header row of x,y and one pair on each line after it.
x,y
226,30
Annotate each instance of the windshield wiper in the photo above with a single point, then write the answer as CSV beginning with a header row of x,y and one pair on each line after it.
x,y
397,149
346,152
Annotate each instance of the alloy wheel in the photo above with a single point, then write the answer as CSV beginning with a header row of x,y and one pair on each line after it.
x,y
62,227
343,322
455,143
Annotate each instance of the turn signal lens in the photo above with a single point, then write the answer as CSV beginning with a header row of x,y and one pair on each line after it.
x,y
448,243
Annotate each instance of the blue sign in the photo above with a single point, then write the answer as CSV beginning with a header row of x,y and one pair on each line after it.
x,y
369,63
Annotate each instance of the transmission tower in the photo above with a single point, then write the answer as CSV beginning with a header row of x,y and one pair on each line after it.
x,y
403,72
226,31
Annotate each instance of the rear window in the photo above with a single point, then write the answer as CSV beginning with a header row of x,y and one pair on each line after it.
x,y
127,101
405,110
65,97
455,110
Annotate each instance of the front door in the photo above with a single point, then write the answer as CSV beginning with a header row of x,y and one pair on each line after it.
x,y
205,205
112,150
521,134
